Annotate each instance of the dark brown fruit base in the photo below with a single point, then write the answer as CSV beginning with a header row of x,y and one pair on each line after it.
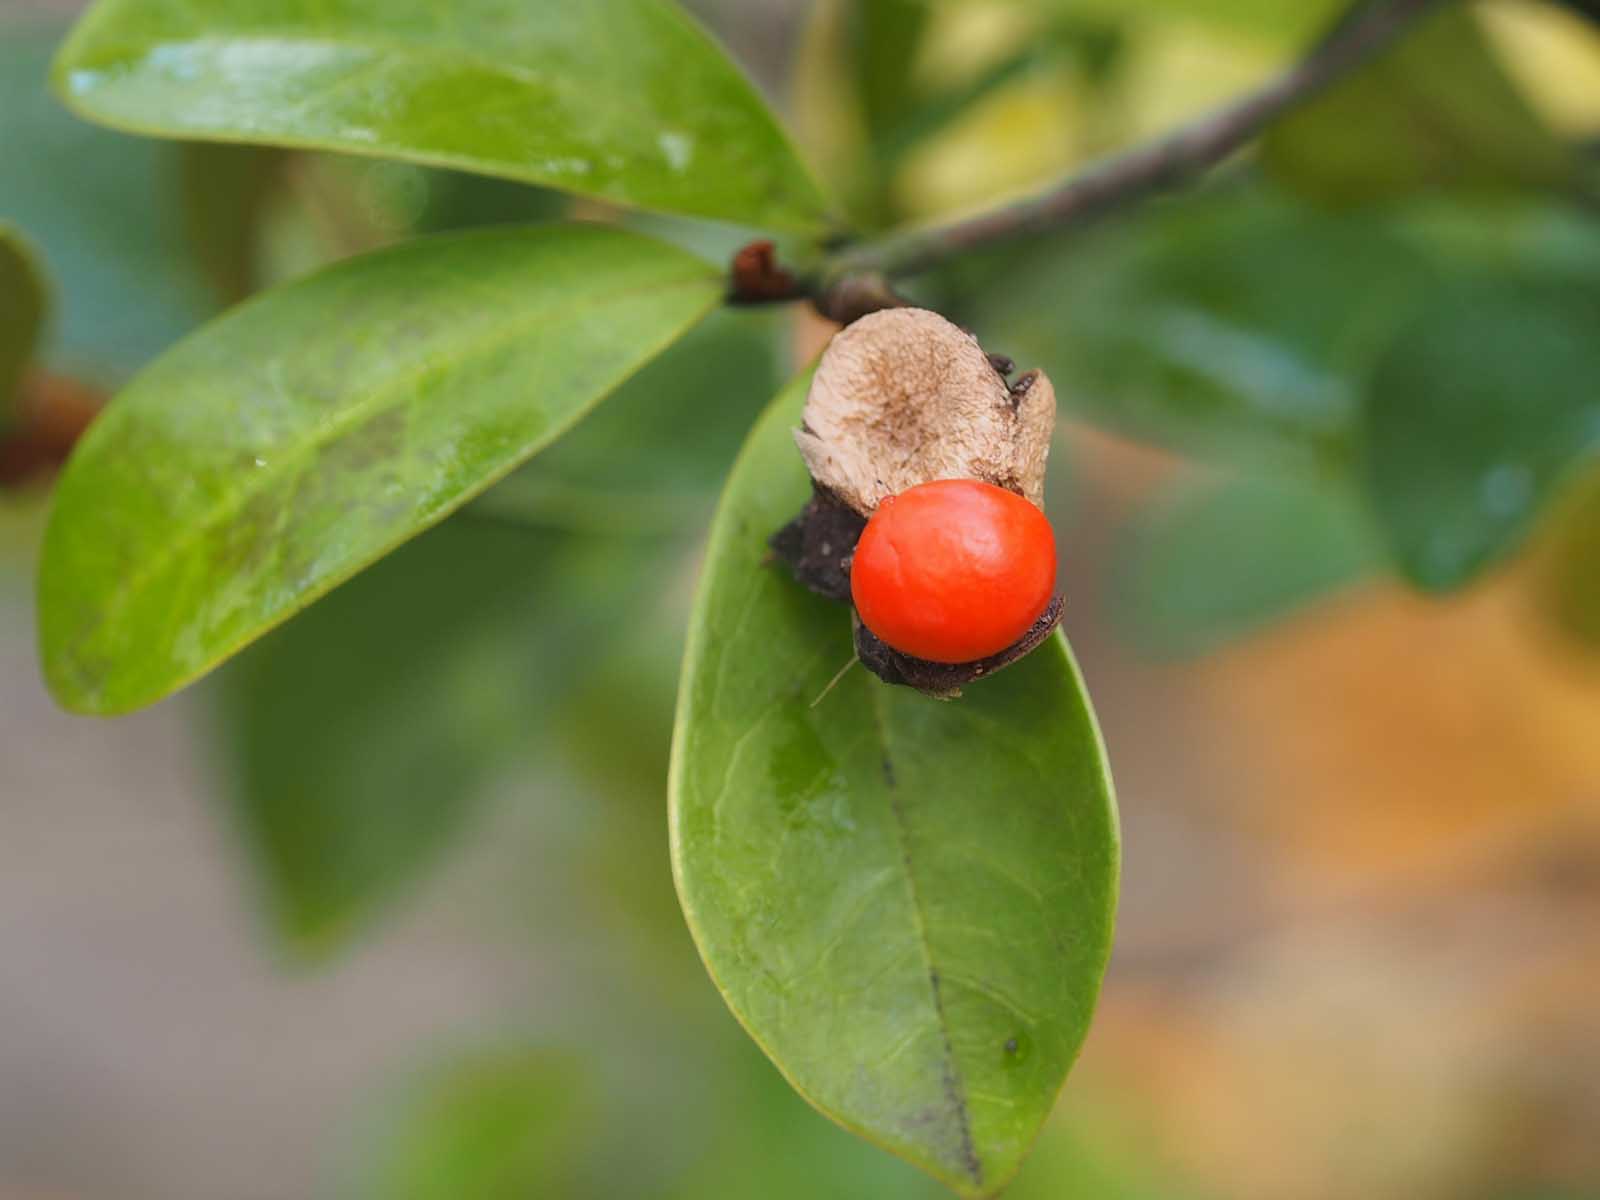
x,y
816,547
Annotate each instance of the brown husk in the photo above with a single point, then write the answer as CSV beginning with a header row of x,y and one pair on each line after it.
x,y
903,397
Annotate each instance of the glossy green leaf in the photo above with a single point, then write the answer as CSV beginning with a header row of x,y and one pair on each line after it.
x,y
275,453
1436,111
501,1124
1475,414
23,304
907,903
626,100
106,214
1212,561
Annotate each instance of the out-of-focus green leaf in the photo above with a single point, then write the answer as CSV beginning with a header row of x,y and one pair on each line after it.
x,y
768,1144
1235,326
23,304
363,733
366,733
226,189
458,200
104,211
499,1125
1506,239
1093,47
626,100
392,200
334,206
1288,21
1086,1154
1475,414
279,451
1436,111
908,903
653,457
885,36
1275,20
1212,561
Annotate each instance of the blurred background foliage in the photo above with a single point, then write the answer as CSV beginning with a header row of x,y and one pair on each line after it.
x,y
1330,530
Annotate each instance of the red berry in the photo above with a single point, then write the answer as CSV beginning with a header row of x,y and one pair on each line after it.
x,y
953,570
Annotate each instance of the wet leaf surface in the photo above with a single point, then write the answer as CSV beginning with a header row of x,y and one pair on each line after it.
x,y
275,453
626,100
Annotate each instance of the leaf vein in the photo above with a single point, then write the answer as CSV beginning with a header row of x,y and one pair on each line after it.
x,y
954,1086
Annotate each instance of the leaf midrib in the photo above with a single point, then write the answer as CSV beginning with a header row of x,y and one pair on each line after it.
x,y
955,1086
328,431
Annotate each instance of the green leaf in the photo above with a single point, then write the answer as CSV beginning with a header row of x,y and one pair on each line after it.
x,y
272,455
1435,111
760,1130
496,1125
1235,326
1211,561
1279,20
104,211
885,37
651,459
356,767
626,100
457,200
907,903
24,302
1274,20
1476,414
365,735
226,191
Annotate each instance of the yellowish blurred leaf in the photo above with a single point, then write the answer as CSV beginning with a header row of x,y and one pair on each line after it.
x,y
1554,57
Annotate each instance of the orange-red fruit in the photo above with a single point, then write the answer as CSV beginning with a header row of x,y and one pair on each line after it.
x,y
953,570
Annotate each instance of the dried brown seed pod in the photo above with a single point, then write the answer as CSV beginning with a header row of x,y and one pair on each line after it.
x,y
904,397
